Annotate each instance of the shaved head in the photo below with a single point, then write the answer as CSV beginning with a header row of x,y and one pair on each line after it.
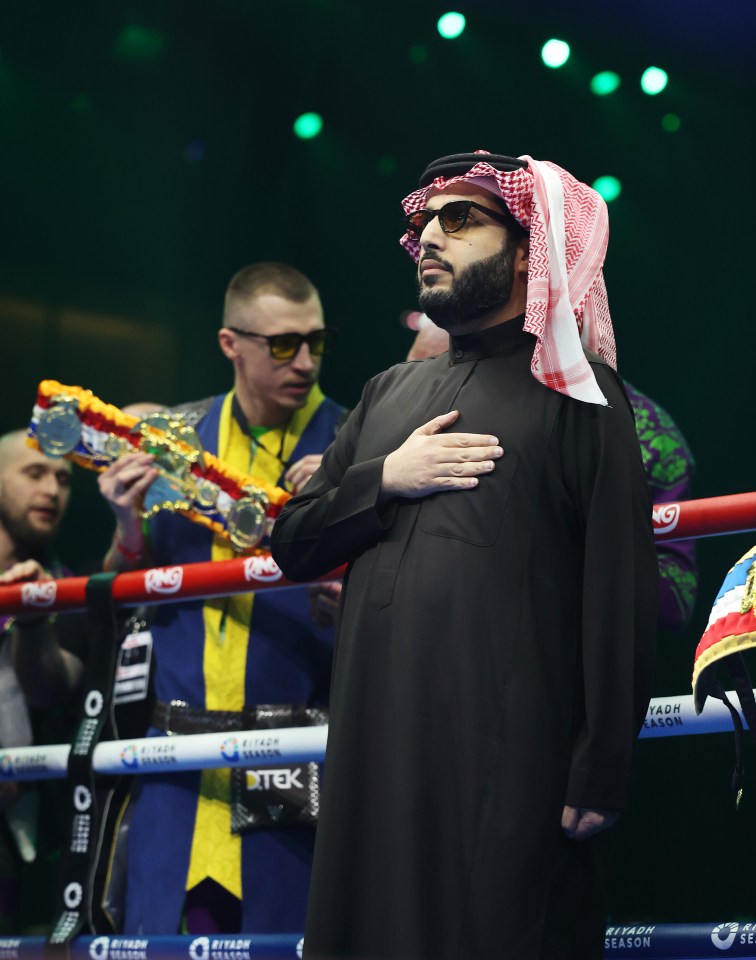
x,y
34,492
11,445
429,342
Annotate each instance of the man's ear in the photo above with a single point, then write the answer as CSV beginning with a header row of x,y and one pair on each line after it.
x,y
227,342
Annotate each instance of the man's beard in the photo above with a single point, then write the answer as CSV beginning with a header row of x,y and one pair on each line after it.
x,y
474,292
29,541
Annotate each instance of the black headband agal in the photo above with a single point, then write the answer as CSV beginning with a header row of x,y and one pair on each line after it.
x,y
459,163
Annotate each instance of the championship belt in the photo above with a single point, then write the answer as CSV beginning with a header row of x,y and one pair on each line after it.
x,y
71,422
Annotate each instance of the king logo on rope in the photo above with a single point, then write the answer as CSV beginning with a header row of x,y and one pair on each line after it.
x,y
41,594
665,517
262,568
164,580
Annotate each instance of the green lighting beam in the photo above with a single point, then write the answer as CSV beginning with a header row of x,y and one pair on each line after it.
x,y
308,125
139,43
451,25
609,187
653,81
605,83
671,123
555,53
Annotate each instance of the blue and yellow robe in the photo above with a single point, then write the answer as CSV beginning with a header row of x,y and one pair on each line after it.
x,y
225,654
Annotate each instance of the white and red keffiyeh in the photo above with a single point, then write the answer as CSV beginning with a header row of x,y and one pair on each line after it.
x,y
567,307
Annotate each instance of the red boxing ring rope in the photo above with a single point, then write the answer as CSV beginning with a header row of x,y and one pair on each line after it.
x,y
685,520
192,581
693,519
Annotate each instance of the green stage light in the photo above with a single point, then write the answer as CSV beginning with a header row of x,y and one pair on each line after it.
x,y
451,25
139,43
555,53
609,188
605,83
386,165
82,103
653,81
671,123
308,125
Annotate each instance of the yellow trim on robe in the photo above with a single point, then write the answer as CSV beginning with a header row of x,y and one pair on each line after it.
x,y
216,852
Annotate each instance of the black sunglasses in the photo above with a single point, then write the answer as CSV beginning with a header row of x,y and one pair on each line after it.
x,y
285,346
452,217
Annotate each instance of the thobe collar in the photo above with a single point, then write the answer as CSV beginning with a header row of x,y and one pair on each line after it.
x,y
485,343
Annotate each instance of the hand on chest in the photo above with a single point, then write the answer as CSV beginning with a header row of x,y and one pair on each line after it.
x,y
491,399
511,409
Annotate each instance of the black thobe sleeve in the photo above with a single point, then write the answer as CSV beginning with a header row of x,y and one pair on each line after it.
x,y
338,514
603,469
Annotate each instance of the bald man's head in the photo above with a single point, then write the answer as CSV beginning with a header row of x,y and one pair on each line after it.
x,y
429,342
34,491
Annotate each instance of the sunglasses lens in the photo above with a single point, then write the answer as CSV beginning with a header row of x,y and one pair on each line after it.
x,y
417,222
317,342
283,346
453,216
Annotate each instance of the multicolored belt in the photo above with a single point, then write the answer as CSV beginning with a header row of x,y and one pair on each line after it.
x,y
71,422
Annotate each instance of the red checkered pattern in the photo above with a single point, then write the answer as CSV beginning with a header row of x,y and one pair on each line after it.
x,y
563,321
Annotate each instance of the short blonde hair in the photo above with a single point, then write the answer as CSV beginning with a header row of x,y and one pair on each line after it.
x,y
268,277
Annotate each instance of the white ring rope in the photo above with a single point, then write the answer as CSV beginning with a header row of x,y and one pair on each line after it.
x,y
666,717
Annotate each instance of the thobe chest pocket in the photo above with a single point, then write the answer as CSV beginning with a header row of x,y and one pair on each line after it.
x,y
473,516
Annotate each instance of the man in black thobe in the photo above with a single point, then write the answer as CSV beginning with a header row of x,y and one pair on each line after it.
x,y
495,647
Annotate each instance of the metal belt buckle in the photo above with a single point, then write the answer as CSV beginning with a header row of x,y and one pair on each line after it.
x,y
168,711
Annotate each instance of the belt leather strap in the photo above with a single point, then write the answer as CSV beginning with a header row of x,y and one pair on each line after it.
x,y
178,717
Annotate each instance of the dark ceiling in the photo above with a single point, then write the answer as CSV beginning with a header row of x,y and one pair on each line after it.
x,y
156,168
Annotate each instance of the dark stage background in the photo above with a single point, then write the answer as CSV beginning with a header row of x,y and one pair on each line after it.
x,y
147,153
